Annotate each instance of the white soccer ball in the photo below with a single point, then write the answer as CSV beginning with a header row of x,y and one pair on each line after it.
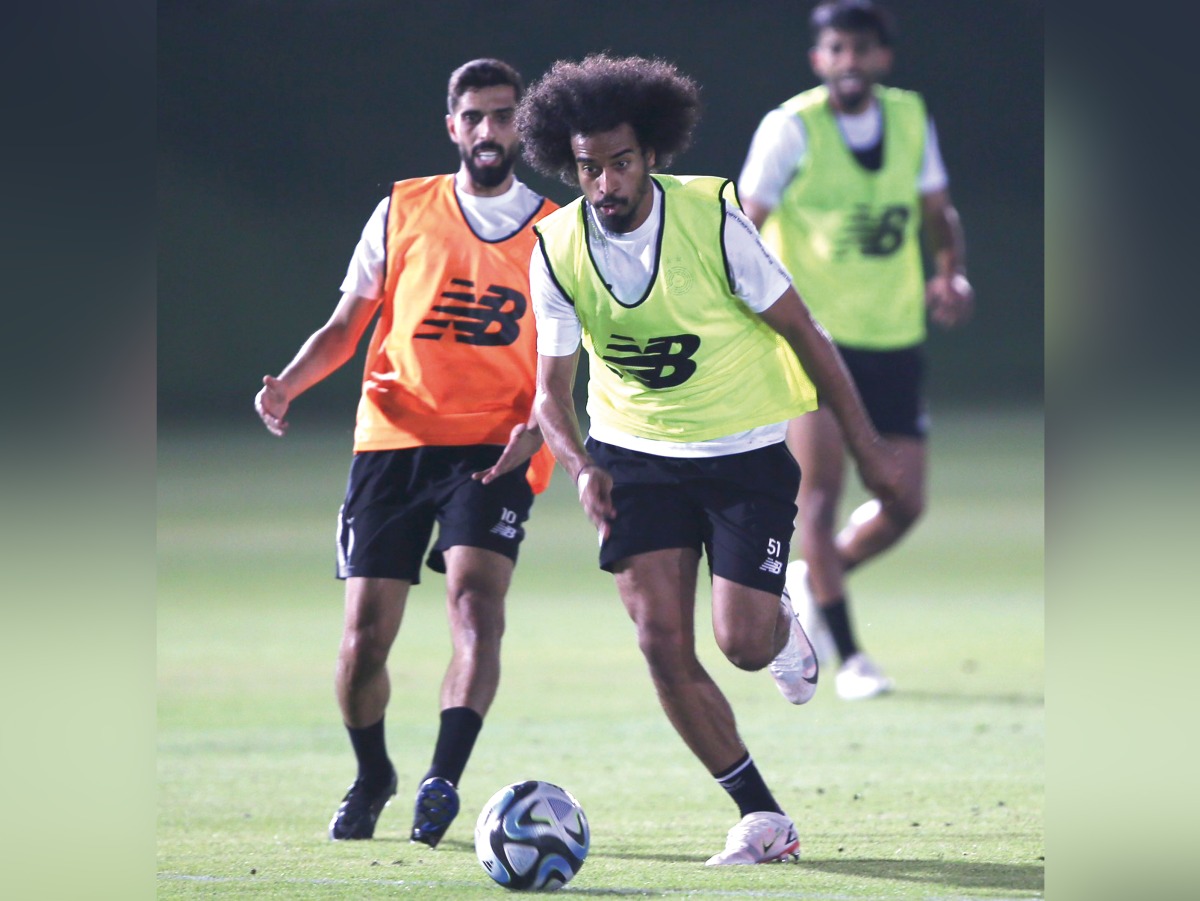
x,y
532,835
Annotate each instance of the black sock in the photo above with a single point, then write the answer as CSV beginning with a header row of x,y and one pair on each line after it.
x,y
371,751
745,785
837,617
456,739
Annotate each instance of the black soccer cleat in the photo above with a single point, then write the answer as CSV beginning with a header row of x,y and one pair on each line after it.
x,y
435,810
356,816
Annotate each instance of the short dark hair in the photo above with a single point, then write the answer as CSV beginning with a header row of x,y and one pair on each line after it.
x,y
853,16
659,103
482,73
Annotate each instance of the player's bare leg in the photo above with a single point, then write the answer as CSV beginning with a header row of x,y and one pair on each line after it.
x,y
815,440
659,593
374,609
817,443
477,581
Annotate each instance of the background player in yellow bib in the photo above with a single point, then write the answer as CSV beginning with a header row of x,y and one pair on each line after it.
x,y
844,180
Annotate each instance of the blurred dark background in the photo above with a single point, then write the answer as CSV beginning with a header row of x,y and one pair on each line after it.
x,y
282,124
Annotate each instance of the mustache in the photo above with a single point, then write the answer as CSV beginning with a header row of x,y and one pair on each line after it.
x,y
487,146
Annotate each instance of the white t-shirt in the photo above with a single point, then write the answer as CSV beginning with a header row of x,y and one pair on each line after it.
x,y
626,262
781,141
491,218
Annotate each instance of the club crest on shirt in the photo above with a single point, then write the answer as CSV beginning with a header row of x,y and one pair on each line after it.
x,y
679,280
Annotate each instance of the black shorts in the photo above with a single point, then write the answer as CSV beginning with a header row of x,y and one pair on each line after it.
x,y
394,497
891,384
739,509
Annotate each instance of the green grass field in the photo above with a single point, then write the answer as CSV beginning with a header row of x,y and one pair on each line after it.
x,y
936,792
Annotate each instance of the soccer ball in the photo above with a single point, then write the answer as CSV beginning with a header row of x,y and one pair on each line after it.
x,y
532,835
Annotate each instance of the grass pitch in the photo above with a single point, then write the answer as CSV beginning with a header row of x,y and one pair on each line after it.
x,y
934,792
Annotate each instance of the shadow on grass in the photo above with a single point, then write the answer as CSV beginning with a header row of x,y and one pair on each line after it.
x,y
959,698
954,874
958,873
1018,878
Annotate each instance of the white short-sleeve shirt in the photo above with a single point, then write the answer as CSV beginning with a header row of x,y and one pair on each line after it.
x,y
781,141
492,218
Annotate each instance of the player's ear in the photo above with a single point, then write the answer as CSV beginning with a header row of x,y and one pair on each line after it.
x,y
451,129
887,57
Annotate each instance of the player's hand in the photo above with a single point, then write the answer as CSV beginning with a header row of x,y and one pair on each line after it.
x,y
595,493
881,472
271,404
523,443
950,299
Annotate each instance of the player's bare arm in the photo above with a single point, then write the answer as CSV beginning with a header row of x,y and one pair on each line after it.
x,y
948,295
524,441
554,410
875,457
755,211
325,351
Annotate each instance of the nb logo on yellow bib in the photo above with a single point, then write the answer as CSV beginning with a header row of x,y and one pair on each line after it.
x,y
662,363
874,234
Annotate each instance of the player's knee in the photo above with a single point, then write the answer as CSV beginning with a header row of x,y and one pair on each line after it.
x,y
363,654
750,661
908,509
818,515
665,652
476,619
745,653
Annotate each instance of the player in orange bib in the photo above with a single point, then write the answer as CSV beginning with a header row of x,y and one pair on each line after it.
x,y
449,375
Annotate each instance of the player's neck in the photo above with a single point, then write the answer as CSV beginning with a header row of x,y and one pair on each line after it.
x,y
467,185
864,104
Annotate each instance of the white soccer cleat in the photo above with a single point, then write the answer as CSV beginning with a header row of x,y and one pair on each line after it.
x,y
860,677
795,668
810,614
759,838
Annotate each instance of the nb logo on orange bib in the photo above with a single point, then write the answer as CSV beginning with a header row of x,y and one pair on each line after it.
x,y
490,320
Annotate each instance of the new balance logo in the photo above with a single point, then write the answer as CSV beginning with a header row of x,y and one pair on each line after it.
x,y
874,234
507,526
773,564
663,363
492,320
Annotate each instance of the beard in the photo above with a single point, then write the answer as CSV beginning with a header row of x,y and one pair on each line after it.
x,y
853,101
618,223
853,97
621,219
489,176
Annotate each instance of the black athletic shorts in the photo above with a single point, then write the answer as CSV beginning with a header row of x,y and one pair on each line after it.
x,y
739,509
394,497
891,383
